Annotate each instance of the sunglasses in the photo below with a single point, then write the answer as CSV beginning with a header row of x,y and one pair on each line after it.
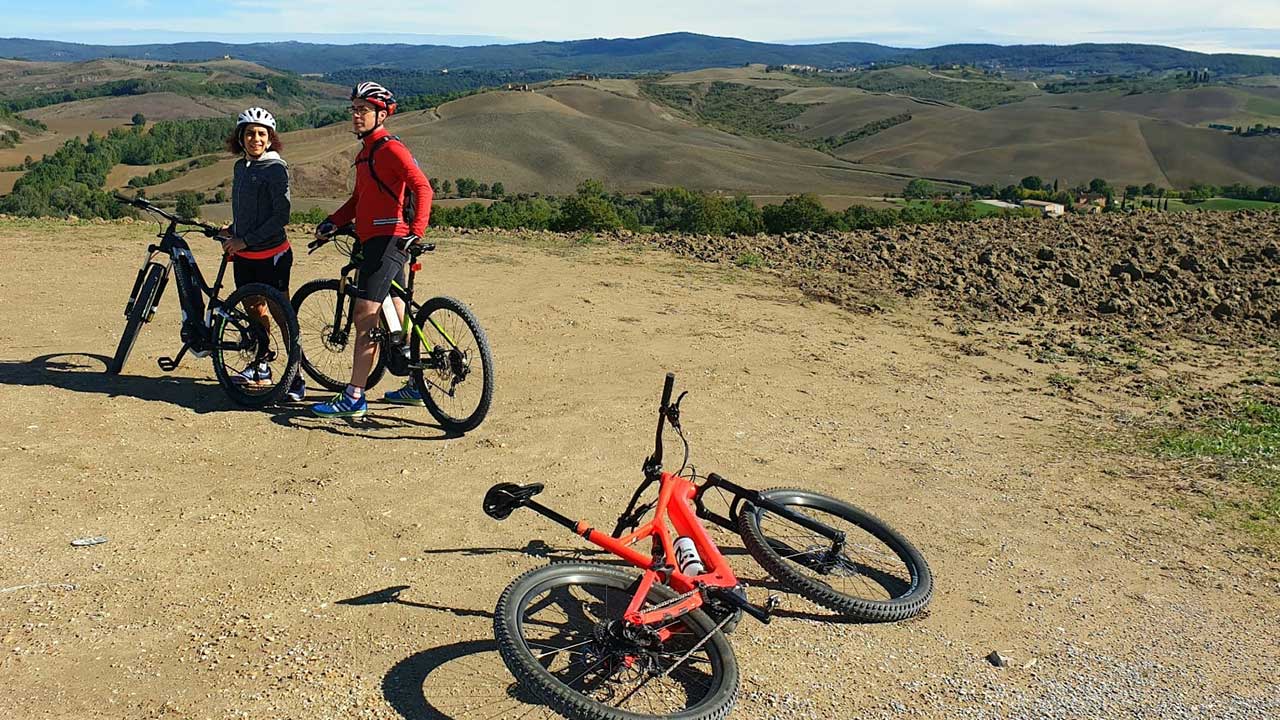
x,y
361,110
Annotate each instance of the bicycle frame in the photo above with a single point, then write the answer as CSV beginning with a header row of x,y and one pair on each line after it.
x,y
675,504
342,328
680,505
197,314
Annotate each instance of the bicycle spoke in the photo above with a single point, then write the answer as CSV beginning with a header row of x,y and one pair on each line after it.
x,y
861,569
569,631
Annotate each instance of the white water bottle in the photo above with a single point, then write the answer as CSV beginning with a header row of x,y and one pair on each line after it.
x,y
392,317
687,557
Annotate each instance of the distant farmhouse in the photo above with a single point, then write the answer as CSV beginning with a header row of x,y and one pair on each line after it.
x,y
1048,208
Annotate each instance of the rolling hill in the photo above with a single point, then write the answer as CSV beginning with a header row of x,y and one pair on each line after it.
x,y
1160,138
549,140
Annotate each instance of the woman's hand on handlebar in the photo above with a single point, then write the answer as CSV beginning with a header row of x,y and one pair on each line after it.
x,y
232,244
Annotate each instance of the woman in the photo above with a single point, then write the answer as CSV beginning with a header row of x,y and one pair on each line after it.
x,y
256,239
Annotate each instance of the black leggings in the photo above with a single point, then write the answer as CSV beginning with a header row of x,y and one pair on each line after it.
x,y
271,271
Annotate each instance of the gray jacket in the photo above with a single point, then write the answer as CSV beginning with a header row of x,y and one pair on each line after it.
x,y
260,201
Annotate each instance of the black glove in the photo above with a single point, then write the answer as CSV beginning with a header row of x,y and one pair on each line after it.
x,y
404,242
326,229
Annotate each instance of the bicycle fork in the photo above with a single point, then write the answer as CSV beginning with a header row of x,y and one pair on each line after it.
x,y
754,497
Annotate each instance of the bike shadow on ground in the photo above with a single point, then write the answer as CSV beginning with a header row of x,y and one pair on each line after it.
x,y
86,373
381,423
460,681
391,596
533,548
797,607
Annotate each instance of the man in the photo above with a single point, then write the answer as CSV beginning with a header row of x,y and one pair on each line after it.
x,y
390,205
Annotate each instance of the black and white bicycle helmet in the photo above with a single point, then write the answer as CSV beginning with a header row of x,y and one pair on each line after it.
x,y
375,95
257,116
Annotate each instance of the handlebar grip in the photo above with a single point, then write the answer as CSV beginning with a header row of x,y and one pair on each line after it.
x,y
666,389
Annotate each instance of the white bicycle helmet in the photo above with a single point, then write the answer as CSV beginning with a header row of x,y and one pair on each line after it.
x,y
257,116
375,95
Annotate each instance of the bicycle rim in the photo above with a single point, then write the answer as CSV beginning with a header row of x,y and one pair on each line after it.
x,y
559,629
877,575
456,382
256,354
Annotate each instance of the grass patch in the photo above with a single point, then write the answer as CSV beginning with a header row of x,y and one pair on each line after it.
x,y
921,83
734,108
1223,204
1245,448
1062,382
749,260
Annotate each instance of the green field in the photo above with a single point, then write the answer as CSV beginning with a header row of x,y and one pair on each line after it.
x,y
982,209
1223,204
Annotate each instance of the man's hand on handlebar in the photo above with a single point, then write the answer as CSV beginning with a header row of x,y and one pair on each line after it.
x,y
325,231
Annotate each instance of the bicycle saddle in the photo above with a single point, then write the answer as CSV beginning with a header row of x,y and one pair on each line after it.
x,y
503,498
418,248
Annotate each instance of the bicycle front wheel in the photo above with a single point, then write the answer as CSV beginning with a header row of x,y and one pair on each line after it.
x,y
255,345
877,576
327,333
560,632
456,375
139,313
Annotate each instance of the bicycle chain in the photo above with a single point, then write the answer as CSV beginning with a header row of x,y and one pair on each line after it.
x,y
675,600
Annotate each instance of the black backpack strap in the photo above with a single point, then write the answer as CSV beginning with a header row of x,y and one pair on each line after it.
x,y
407,207
369,160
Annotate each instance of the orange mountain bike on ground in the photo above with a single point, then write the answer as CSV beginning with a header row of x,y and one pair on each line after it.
x,y
597,641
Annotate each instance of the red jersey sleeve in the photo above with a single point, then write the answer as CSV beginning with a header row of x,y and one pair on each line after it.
x,y
347,212
408,172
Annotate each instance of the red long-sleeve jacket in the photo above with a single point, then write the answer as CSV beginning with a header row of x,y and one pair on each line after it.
x,y
375,211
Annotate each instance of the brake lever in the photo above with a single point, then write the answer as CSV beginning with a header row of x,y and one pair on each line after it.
x,y
673,411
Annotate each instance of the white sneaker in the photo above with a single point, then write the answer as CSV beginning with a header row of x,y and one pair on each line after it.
x,y
253,375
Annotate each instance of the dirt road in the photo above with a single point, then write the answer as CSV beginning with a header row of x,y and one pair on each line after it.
x,y
273,565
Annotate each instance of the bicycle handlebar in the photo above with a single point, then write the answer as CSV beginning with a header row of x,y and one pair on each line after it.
x,y
348,230
662,417
208,230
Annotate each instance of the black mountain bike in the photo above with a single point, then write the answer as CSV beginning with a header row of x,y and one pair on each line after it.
x,y
441,347
254,328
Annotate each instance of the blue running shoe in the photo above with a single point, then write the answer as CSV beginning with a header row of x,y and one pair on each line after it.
x,y
298,390
341,406
407,395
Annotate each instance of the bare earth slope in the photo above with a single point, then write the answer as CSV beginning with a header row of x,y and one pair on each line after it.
x,y
234,535
548,141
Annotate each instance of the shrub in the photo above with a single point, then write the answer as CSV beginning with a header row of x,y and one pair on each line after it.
x,y
798,213
188,205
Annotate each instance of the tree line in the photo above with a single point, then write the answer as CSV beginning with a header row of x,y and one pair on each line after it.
x,y
277,87
676,209
72,180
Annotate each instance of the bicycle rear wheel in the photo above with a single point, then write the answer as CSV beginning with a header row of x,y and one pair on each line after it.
x,y
139,313
457,380
560,632
878,576
255,360
326,335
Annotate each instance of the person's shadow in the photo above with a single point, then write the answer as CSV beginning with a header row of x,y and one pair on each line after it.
x,y
86,373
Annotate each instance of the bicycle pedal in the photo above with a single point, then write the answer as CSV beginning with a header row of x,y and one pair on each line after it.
x,y
167,364
772,603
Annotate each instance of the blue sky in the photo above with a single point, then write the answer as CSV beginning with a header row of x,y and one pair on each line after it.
x,y
1251,26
